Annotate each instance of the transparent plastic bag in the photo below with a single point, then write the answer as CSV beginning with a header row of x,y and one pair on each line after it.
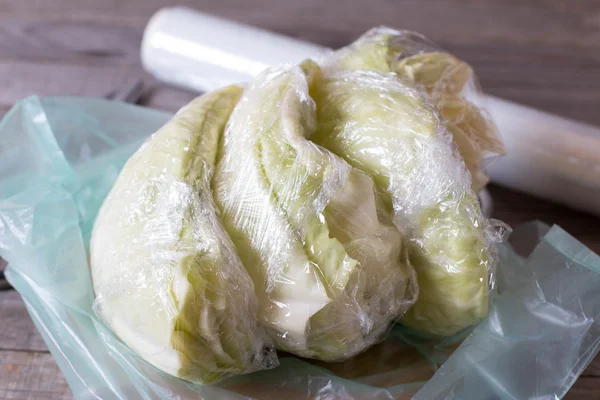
x,y
542,331
59,158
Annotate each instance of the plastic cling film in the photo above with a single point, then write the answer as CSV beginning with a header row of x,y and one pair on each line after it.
x,y
203,52
388,128
450,84
167,278
326,260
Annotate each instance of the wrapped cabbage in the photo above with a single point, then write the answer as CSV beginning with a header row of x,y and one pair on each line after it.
x,y
327,262
167,278
450,84
387,127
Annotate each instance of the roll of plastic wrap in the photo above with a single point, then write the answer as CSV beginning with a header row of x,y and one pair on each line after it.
x,y
202,52
548,156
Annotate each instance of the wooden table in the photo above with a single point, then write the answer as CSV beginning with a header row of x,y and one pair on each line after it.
x,y
544,53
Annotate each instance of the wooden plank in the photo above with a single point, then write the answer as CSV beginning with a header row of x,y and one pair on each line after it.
x,y
48,63
3,110
572,23
31,376
516,208
165,97
51,41
586,388
593,370
18,332
61,79
558,79
41,57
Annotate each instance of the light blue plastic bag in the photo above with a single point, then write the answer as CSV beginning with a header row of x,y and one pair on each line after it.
x,y
59,158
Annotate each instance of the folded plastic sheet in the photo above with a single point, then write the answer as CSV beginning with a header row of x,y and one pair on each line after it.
x,y
59,157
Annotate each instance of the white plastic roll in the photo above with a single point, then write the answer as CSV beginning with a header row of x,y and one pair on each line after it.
x,y
202,52
548,156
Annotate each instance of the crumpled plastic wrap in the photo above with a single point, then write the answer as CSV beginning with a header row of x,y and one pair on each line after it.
x,y
326,259
450,86
167,278
59,158
390,128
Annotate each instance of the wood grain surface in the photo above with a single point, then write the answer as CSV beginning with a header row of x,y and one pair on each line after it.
x,y
543,53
